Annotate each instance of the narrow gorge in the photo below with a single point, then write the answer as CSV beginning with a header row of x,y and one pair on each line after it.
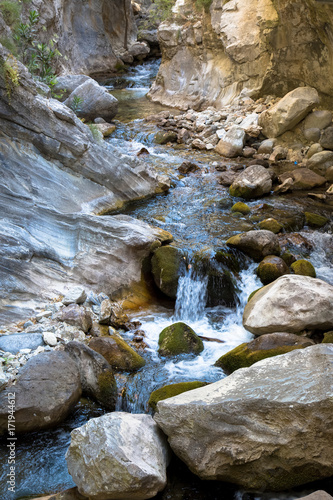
x,y
166,249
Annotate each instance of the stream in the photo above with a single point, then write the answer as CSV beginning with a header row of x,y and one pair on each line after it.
x,y
197,213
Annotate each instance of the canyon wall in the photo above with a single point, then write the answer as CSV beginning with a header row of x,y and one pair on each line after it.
x,y
242,47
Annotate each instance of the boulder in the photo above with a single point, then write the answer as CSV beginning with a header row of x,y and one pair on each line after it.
x,y
318,119
291,303
76,295
253,182
68,83
328,338
47,389
117,353
243,208
96,375
50,339
288,112
320,162
271,224
118,318
312,134
304,178
76,316
315,220
167,265
232,142
317,495
163,137
118,456
326,139
169,391
96,101
271,268
267,427
304,268
256,244
106,129
15,342
179,338
266,346
313,149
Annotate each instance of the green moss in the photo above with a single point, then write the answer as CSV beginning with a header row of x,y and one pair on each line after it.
x,y
107,394
252,294
241,192
229,258
271,268
271,225
315,220
328,338
165,137
242,356
117,353
203,4
288,257
304,268
169,391
167,265
179,338
241,207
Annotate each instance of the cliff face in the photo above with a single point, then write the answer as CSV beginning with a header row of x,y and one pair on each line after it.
x,y
254,48
93,34
54,180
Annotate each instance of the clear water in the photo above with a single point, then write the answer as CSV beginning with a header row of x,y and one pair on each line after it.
x,y
197,212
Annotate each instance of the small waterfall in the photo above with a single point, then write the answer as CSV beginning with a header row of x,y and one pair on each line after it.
x,y
191,296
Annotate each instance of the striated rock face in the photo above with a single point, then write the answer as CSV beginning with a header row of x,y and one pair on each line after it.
x,y
118,456
241,47
54,179
267,427
93,35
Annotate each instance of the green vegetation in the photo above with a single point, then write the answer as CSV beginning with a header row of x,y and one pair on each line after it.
x,y
203,4
76,104
161,10
11,11
97,134
10,74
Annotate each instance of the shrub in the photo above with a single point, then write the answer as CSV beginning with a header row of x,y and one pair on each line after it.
x,y
11,11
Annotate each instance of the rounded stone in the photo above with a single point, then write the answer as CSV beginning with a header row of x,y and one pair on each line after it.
x,y
271,225
243,208
304,268
271,268
179,338
315,220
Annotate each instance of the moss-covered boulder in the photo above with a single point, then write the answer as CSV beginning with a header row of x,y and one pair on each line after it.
x,y
168,391
304,268
328,338
271,225
230,258
241,207
118,353
315,220
288,257
179,338
271,268
163,137
263,347
167,265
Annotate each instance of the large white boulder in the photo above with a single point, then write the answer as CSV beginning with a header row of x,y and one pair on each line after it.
x,y
95,102
288,112
118,456
291,303
267,427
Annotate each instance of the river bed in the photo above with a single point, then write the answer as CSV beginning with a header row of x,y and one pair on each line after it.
x,y
197,213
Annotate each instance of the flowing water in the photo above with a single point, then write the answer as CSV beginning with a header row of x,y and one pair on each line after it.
x,y
197,212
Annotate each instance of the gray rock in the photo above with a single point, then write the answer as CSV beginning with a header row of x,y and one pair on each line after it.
x,y
47,389
288,112
276,416
96,101
76,295
68,83
15,342
312,134
326,140
96,375
317,495
292,303
118,456
320,162
256,244
319,119
105,312
266,147
232,142
77,316
252,182
278,153
313,149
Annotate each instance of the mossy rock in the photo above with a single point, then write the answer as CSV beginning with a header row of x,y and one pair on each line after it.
x,y
241,192
271,225
243,357
288,257
167,265
271,268
107,390
252,294
328,338
117,353
241,207
230,258
304,268
220,288
315,220
164,137
179,338
169,391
